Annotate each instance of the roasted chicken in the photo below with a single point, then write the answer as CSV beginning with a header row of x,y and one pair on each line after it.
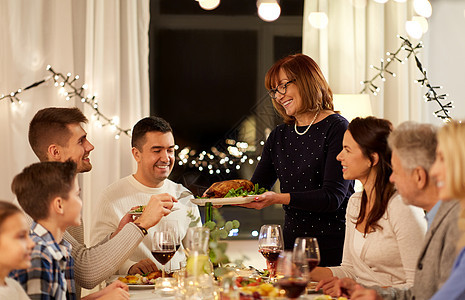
x,y
220,189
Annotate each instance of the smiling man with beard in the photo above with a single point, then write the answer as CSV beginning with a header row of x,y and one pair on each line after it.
x,y
153,149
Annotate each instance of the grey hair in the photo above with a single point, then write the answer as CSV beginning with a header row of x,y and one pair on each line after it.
x,y
415,144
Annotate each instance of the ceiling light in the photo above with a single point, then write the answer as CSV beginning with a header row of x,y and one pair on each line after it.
x,y
268,10
209,4
423,8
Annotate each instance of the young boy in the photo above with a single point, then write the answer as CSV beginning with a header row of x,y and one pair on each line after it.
x,y
49,193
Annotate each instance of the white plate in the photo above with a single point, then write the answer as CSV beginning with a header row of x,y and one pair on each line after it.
x,y
223,201
131,286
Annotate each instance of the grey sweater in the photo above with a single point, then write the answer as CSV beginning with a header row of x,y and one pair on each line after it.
x,y
436,257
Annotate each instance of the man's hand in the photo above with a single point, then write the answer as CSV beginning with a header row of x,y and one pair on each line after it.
x,y
329,286
158,207
124,220
143,267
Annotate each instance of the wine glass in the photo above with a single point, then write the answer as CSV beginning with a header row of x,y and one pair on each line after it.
x,y
270,244
306,249
171,226
163,248
293,275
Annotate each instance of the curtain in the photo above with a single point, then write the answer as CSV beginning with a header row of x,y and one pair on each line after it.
x,y
359,34
106,44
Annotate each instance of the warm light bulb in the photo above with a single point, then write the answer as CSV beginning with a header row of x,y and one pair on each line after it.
x,y
423,8
422,21
413,29
209,4
381,1
269,10
318,20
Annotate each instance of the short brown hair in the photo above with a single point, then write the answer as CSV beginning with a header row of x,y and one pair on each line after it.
x,y
148,124
313,88
49,126
38,184
6,210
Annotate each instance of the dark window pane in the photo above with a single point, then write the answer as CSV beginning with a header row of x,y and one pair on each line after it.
x,y
227,7
286,45
206,82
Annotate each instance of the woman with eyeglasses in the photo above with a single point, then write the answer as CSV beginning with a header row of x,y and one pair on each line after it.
x,y
301,153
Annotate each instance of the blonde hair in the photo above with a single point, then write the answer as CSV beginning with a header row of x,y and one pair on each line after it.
x,y
451,138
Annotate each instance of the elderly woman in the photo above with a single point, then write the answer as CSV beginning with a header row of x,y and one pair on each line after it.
x,y
449,172
301,153
383,234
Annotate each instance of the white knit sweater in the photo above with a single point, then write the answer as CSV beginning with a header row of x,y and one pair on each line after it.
x,y
118,198
388,256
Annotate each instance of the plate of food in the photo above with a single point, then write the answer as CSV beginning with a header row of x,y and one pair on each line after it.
x,y
236,191
138,281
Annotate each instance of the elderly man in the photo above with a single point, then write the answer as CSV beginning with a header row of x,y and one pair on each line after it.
x,y
413,152
56,134
153,149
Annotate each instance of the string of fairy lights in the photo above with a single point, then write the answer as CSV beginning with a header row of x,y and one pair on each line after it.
x,y
229,155
70,89
432,93
219,159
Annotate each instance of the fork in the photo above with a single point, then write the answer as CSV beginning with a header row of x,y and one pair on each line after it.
x,y
185,193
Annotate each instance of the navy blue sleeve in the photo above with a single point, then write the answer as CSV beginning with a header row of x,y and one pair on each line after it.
x,y
334,190
265,174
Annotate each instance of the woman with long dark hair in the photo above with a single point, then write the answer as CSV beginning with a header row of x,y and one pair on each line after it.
x,y
382,232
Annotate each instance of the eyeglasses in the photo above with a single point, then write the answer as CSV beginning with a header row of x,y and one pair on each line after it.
x,y
282,89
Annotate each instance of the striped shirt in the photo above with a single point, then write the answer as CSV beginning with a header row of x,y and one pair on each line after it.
x,y
51,275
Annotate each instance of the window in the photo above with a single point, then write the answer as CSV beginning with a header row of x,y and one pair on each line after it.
x,y
206,78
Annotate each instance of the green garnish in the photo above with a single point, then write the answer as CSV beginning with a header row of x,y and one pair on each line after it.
x,y
138,210
240,192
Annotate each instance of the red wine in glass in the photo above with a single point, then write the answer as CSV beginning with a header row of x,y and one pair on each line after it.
x,y
163,256
270,253
270,245
312,263
294,287
163,247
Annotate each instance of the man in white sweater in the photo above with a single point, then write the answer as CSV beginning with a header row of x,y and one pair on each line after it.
x,y
153,149
56,134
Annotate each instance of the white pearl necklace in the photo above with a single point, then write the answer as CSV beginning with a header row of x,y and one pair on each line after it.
x,y
308,127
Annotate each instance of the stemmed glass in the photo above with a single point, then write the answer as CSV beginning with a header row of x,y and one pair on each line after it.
x,y
293,275
171,226
163,248
270,245
306,249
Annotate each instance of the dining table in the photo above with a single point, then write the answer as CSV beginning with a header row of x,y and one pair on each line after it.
x,y
146,294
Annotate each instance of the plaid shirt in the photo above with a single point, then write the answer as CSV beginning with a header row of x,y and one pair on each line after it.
x,y
51,275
